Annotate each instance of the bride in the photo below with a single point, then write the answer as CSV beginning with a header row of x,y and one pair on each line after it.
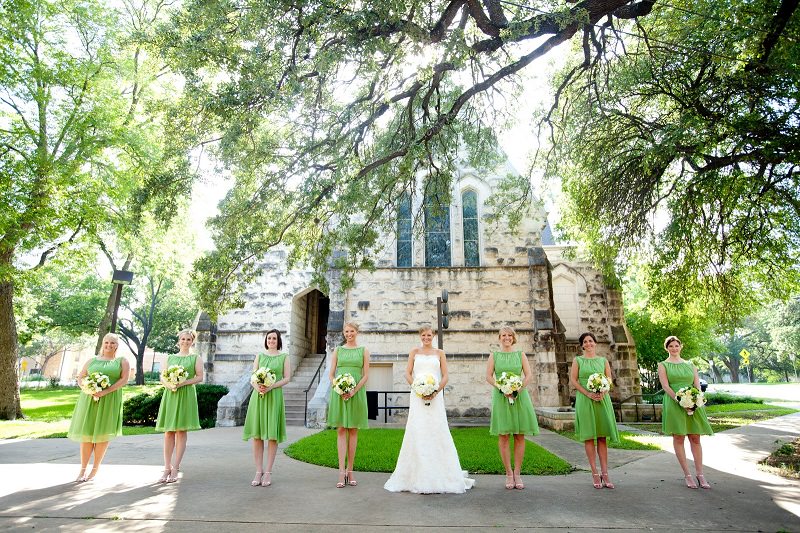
x,y
428,461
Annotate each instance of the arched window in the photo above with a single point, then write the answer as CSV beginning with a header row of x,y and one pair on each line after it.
x,y
404,224
469,203
437,233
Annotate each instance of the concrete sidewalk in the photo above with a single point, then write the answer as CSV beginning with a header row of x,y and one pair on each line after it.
x,y
36,492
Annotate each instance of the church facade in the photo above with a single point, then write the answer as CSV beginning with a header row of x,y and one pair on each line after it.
x,y
494,276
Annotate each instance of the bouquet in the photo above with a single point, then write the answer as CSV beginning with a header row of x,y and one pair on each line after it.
x,y
690,399
344,383
425,385
263,376
509,383
598,382
173,376
94,383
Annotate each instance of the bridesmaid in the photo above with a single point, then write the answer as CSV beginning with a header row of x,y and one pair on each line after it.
x,y
348,412
517,419
675,373
178,411
594,414
95,423
266,416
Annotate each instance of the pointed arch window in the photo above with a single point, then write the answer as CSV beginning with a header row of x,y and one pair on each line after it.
x,y
469,211
404,224
437,233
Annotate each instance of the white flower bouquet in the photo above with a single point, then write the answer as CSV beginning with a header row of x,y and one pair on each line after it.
x,y
509,384
598,382
425,385
690,399
173,376
263,376
94,383
344,383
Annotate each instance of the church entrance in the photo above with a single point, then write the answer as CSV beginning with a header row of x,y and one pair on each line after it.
x,y
309,322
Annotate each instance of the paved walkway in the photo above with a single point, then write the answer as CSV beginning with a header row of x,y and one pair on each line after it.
x,y
214,496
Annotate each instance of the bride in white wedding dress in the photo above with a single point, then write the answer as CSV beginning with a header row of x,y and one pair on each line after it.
x,y
428,461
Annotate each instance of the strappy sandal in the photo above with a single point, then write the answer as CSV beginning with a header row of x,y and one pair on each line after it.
x,y
701,479
597,481
690,482
509,484
165,475
606,482
173,477
342,480
257,480
268,482
349,479
81,476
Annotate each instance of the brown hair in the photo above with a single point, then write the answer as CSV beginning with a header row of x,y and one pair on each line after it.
x,y
584,335
670,339
352,325
276,332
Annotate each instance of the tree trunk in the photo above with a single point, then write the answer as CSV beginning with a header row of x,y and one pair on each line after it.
x,y
10,408
140,365
105,324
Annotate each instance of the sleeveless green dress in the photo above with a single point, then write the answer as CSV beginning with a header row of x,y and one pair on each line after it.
x,y
353,412
593,419
518,418
674,418
266,415
99,421
178,410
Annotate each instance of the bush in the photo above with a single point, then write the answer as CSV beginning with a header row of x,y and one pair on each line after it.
x,y
142,409
53,382
152,376
719,398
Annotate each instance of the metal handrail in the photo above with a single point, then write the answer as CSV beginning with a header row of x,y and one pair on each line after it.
x,y
318,376
635,398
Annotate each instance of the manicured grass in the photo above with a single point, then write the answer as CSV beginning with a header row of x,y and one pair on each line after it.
x,y
729,416
47,413
628,441
378,450
728,407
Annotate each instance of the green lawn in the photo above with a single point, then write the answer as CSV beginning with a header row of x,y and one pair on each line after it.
x,y
378,450
47,413
723,417
628,441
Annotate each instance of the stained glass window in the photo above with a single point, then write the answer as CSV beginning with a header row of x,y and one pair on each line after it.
x,y
437,233
404,231
469,202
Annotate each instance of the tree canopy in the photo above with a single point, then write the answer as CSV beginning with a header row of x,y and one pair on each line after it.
x,y
677,136
326,112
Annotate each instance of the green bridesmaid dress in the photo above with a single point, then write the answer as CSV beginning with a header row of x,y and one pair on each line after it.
x,y
593,419
266,415
99,421
178,410
518,418
353,412
674,418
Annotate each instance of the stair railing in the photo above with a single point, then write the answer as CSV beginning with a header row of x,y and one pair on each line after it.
x,y
318,377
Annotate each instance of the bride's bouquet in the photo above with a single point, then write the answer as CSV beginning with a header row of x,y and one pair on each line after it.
x,y
424,386
690,399
598,382
344,383
173,376
94,383
509,384
263,376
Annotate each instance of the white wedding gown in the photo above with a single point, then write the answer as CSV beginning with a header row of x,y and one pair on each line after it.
x,y
428,461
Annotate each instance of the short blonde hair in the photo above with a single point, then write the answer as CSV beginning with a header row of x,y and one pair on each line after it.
x,y
508,329
672,338
426,327
112,336
185,332
352,325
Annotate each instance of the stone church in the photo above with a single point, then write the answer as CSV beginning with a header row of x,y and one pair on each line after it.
x,y
494,276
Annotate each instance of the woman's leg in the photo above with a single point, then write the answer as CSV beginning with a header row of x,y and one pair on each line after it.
x,y
519,456
504,445
602,452
680,452
697,455
341,449
181,437
100,449
258,458
272,451
352,444
86,453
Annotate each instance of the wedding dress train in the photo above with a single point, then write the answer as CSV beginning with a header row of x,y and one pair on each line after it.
x,y
428,461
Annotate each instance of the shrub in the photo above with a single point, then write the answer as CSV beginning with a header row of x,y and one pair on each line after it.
x,y
142,409
152,376
53,382
719,398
